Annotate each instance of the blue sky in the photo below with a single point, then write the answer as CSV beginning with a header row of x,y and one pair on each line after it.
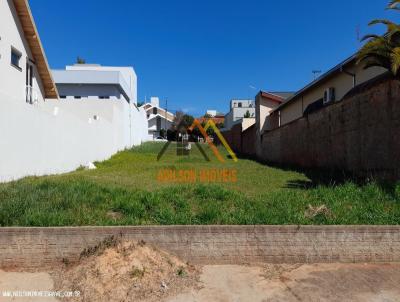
x,y
201,53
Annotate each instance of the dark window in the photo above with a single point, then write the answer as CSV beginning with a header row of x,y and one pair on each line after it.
x,y
63,97
77,97
104,97
154,110
240,105
16,58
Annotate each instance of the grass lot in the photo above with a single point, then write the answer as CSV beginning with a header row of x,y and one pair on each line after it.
x,y
124,191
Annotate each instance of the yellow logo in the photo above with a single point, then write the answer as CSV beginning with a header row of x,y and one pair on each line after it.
x,y
203,131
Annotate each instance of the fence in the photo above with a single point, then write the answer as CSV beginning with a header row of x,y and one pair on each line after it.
x,y
359,134
242,142
59,136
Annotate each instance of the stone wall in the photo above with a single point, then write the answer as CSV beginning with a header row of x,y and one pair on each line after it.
x,y
359,134
41,248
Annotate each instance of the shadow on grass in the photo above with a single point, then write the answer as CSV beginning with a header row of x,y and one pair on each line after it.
x,y
332,177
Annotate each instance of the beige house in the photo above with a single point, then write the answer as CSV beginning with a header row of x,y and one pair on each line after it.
x,y
330,87
266,102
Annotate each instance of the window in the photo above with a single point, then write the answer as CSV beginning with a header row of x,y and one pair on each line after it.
x,y
77,97
63,97
16,58
240,105
104,97
154,110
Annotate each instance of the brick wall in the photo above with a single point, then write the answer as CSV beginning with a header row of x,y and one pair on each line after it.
x,y
40,248
359,134
243,143
249,141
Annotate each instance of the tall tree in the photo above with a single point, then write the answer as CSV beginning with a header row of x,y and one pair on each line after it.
x,y
383,51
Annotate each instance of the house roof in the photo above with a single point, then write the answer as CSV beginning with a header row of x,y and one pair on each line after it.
x,y
149,106
153,116
215,119
283,94
272,97
324,77
32,37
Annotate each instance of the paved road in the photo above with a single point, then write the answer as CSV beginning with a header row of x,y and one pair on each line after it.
x,y
262,283
308,283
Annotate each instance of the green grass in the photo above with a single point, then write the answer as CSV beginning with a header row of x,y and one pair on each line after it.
x,y
124,191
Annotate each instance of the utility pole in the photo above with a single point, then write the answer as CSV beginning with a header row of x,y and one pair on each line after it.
x,y
166,114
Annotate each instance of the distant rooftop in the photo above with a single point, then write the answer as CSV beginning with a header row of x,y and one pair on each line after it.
x,y
87,65
283,94
95,74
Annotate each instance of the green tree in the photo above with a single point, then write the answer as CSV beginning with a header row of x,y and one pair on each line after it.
x,y
383,51
187,120
80,60
247,114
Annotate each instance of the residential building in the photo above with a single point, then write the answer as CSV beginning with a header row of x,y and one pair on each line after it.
x,y
267,102
239,108
214,115
24,71
157,117
211,113
92,81
329,87
42,135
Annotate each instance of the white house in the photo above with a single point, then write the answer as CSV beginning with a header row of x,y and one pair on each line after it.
x,y
24,71
211,112
157,117
39,133
92,81
238,109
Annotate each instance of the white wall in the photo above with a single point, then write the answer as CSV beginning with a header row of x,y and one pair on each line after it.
x,y
56,137
12,80
90,91
236,114
128,73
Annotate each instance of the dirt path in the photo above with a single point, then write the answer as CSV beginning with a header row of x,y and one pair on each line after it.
x,y
272,283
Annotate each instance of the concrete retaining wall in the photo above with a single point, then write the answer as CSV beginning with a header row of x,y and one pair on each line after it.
x,y
37,248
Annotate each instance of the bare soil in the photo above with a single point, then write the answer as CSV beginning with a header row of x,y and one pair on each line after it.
x,y
125,271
